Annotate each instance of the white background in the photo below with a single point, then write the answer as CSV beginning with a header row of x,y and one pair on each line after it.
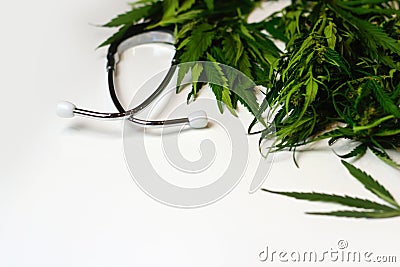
x,y
66,195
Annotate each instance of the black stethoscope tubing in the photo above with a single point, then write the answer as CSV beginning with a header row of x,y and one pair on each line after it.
x,y
158,35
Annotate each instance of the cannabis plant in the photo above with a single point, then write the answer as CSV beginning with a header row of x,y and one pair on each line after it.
x,y
207,30
338,77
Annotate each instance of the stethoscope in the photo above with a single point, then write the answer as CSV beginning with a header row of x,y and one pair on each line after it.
x,y
134,36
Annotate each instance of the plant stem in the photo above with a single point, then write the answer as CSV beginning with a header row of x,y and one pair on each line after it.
x,y
372,125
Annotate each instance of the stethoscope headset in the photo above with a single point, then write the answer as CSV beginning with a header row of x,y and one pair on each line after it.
x,y
135,35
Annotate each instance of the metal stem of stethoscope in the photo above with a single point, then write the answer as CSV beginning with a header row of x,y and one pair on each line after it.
x,y
116,116
195,120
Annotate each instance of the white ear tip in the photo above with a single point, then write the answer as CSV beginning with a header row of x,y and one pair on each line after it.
x,y
65,109
198,119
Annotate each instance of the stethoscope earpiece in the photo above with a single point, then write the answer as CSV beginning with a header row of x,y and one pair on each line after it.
x,y
198,119
136,35
65,109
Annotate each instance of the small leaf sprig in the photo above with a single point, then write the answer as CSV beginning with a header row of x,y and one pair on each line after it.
x,y
364,208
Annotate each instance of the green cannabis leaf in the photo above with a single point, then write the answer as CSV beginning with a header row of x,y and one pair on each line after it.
x,y
365,208
207,30
339,77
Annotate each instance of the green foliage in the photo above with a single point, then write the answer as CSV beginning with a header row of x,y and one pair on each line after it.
x,y
365,208
198,42
205,30
341,65
339,77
